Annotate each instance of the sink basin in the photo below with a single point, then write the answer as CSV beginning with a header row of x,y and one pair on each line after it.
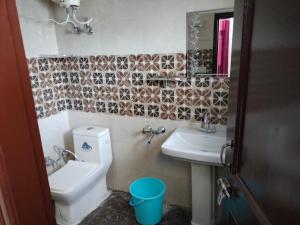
x,y
195,146
203,151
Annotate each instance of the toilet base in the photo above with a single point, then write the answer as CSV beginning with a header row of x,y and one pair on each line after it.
x,y
74,213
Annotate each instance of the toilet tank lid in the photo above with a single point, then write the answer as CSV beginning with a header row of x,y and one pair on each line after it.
x,y
91,131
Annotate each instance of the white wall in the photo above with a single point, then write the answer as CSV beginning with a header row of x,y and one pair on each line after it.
x,y
133,26
55,130
39,37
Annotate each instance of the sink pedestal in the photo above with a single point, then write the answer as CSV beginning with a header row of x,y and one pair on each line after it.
x,y
203,151
202,194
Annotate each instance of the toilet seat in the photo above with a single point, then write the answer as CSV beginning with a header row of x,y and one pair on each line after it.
x,y
72,180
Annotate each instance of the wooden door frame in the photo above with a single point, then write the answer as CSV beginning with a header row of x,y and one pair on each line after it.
x,y
23,75
245,59
8,209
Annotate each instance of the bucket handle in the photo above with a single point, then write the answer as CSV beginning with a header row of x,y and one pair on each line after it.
x,y
134,204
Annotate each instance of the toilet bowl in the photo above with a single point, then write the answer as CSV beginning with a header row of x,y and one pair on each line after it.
x,y
80,186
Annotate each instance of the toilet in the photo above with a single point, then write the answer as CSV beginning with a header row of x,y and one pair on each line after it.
x,y
79,187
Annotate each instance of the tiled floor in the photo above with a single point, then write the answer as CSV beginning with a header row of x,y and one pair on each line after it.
x,y
116,211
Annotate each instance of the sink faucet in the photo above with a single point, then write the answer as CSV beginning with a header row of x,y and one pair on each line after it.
x,y
207,126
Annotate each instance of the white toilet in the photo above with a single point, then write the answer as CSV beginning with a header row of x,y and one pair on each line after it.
x,y
80,186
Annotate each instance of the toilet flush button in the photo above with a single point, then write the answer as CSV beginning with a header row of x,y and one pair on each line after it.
x,y
90,128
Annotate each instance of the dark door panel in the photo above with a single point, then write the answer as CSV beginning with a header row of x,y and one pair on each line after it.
x,y
237,210
266,108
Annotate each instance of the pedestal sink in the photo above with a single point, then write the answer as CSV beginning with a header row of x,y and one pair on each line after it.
x,y
203,151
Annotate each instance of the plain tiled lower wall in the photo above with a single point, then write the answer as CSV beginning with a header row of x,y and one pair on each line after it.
x,y
124,85
133,158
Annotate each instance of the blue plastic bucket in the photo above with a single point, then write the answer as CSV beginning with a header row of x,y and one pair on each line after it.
x,y
147,196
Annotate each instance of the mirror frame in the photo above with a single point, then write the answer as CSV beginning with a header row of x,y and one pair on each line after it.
x,y
221,11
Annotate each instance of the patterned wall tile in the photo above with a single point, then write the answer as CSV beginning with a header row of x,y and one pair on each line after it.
x,y
43,65
109,63
113,107
152,62
61,105
184,113
126,108
124,85
168,111
136,63
78,105
123,79
153,111
101,107
139,110
32,66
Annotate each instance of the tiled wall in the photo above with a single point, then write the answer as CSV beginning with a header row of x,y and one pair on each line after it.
x,y
122,85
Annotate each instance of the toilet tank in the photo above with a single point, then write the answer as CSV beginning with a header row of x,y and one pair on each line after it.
x,y
92,144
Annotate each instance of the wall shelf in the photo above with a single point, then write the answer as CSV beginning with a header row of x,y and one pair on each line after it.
x,y
160,78
56,56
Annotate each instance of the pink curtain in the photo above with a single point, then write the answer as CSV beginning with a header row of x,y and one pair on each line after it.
x,y
223,46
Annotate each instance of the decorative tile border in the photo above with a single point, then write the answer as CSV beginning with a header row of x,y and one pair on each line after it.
x,y
121,85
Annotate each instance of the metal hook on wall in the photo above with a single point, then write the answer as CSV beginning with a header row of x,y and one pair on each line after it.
x,y
72,7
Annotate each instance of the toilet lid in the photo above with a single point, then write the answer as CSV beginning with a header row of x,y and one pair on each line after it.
x,y
71,175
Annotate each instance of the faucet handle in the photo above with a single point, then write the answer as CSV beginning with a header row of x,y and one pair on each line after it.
x,y
161,130
147,129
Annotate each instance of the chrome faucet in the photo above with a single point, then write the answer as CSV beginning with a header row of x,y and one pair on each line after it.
x,y
152,132
207,126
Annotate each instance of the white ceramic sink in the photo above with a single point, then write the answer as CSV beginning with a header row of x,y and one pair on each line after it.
x,y
203,151
194,145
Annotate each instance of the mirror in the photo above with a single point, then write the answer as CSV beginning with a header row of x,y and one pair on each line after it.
x,y
209,42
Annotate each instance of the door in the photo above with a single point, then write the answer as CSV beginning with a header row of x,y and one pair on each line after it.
x,y
264,118
24,191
